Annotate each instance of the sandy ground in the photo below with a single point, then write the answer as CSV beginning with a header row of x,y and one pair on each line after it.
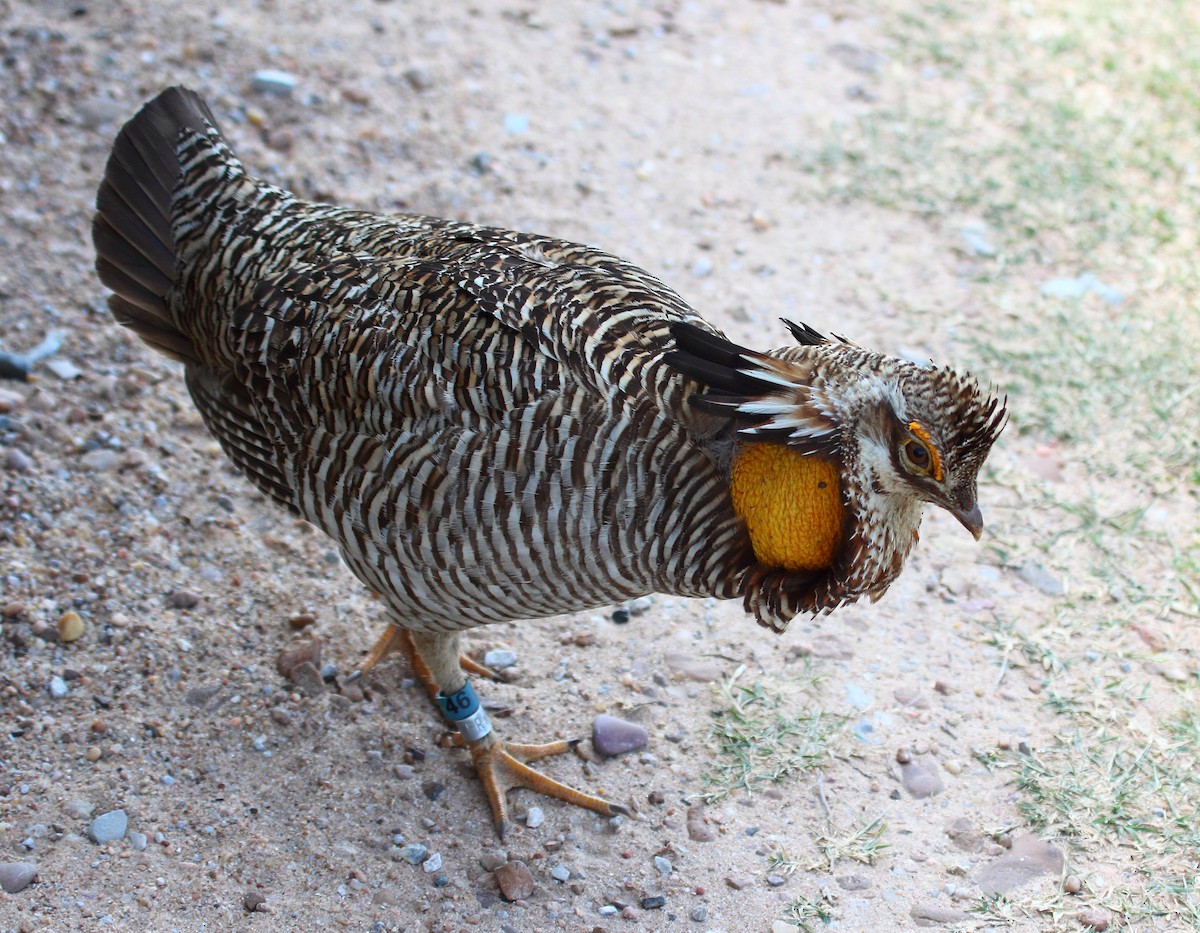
x,y
660,132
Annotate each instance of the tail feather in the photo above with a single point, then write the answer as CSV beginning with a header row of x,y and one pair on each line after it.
x,y
135,248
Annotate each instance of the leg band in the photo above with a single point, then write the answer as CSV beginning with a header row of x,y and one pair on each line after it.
x,y
463,710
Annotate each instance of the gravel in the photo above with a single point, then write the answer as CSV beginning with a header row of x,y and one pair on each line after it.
x,y
108,827
16,876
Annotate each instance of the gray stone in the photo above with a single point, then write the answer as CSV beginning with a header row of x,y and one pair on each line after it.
x,y
414,853
921,778
1029,858
80,809
1041,579
499,658
560,873
702,670
612,736
663,865
930,914
273,81
15,876
534,817
433,863
58,687
109,827
138,841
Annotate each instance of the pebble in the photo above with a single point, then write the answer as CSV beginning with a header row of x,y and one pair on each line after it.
x,y
490,861
534,817
560,873
80,809
854,882
433,863
108,827
654,902
699,914
70,627
273,81
935,913
1095,919
1028,859
183,599
612,736
516,123
15,876
697,824
10,401
515,881
64,369
17,461
620,616
253,901
1041,579
607,910
921,778
1072,884
776,881
499,658
414,853
663,865
739,882
640,605
58,687
702,670
294,655
138,841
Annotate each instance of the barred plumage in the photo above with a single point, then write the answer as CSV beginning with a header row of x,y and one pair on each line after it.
x,y
496,425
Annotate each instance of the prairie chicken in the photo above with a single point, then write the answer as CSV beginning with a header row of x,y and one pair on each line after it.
x,y
495,425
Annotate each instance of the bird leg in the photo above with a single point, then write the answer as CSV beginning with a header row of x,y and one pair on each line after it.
x,y
395,639
501,766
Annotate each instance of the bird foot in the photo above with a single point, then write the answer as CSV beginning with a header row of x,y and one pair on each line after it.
x,y
503,766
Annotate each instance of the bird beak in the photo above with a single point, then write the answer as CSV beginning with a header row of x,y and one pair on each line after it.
x,y
972,520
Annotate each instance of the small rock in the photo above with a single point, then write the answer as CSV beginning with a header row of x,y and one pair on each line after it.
x,y
1029,858
10,401
516,123
499,658
138,842
1072,884
1095,919
414,853
620,616
58,687
534,817
607,910
663,865
699,914
64,369
560,873
17,461
253,901
293,656
183,599
432,789
99,460
15,876
419,79
739,882
929,914
776,881
698,669
612,736
308,679
640,605
273,81
515,881
854,882
1041,579
433,863
857,58
70,627
80,809
109,827
654,902
490,861
697,824
921,778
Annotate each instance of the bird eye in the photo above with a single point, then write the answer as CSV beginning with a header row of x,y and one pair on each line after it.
x,y
917,454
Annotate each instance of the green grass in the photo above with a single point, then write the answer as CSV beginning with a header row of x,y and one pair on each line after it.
x,y
763,735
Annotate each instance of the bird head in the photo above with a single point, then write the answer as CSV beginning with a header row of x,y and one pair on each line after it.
x,y
900,432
